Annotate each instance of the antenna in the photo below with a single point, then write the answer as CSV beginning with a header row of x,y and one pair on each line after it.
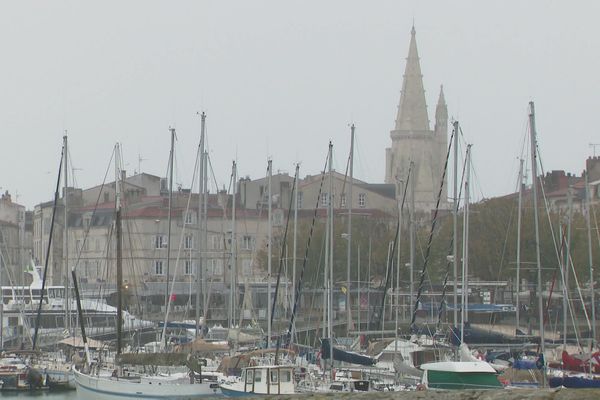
x,y
593,146
140,160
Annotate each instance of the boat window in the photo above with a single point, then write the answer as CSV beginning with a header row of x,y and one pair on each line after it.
x,y
257,376
285,375
274,376
249,376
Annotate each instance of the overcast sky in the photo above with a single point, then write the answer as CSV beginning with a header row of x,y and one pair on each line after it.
x,y
281,78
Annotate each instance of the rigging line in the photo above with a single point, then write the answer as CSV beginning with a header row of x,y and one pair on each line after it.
x,y
304,262
87,230
429,241
283,253
448,263
44,277
176,268
505,246
389,272
213,173
314,285
553,234
345,178
477,180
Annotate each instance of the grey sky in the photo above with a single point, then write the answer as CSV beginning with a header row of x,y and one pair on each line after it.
x,y
281,78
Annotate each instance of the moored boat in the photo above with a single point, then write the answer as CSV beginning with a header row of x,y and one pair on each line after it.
x,y
262,380
460,375
174,387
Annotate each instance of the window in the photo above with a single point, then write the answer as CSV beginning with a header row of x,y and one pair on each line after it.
x,y
285,375
189,267
189,217
362,200
215,266
249,376
216,242
324,199
247,267
160,242
247,242
274,376
189,242
158,267
300,199
343,201
258,375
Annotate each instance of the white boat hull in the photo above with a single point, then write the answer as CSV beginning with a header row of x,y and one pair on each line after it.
x,y
105,388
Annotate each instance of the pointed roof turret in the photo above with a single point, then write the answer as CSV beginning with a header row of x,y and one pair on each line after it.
x,y
412,110
441,113
441,110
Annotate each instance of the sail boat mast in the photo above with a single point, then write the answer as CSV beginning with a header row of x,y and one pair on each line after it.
x,y
119,255
465,250
66,235
519,216
330,295
588,217
269,253
296,176
455,225
349,237
537,230
233,275
201,192
172,156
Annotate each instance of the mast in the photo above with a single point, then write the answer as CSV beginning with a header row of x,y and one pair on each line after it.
x,y
330,217
401,190
233,274
296,176
204,235
171,158
455,225
465,250
567,266
358,300
519,215
269,247
588,222
119,255
349,256
537,231
66,236
411,237
369,285
201,194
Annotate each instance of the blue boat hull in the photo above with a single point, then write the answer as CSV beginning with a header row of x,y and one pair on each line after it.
x,y
574,382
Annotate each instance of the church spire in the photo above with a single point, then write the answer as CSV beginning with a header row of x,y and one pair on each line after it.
x,y
412,110
441,112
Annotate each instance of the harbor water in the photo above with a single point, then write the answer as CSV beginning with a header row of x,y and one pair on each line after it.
x,y
515,394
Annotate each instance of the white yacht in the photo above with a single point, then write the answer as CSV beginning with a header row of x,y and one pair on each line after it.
x,y
21,306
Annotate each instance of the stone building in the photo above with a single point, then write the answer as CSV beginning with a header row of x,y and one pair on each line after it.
x,y
15,240
414,141
92,245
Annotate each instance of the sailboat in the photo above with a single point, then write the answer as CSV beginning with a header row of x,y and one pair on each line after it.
x,y
469,373
94,382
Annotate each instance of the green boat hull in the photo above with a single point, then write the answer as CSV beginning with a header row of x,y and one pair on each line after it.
x,y
449,380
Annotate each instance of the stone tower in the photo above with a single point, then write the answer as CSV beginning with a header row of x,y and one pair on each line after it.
x,y
414,141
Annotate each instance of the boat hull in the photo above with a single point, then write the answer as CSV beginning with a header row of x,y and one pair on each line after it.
x,y
574,382
100,388
450,380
